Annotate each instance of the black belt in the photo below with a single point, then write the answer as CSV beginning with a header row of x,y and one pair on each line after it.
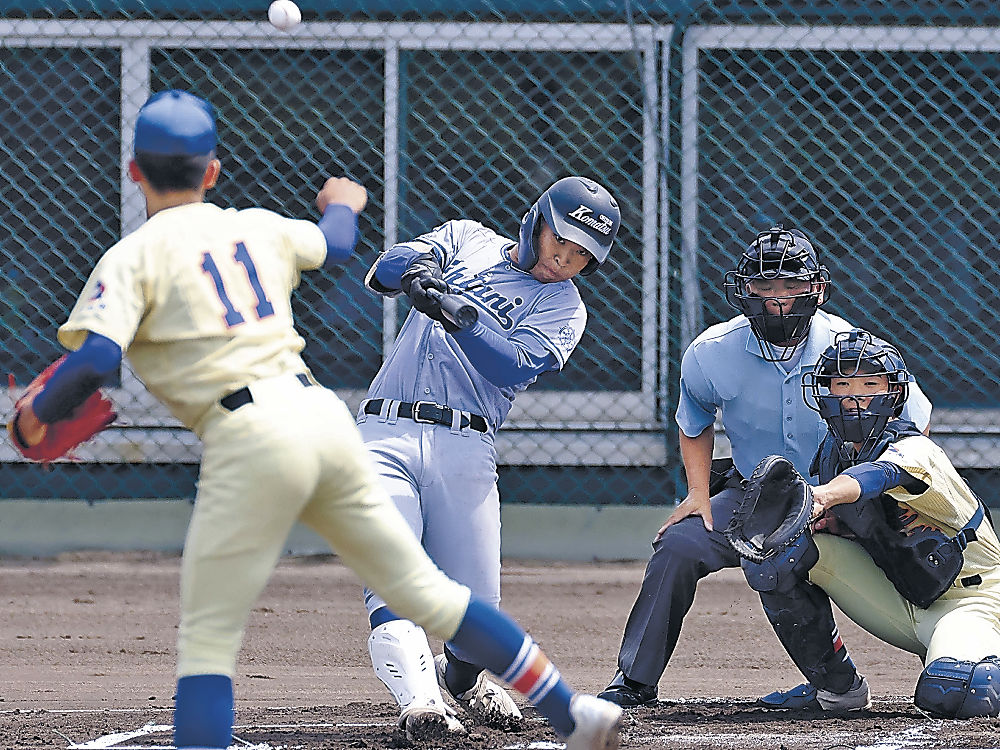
x,y
242,397
426,412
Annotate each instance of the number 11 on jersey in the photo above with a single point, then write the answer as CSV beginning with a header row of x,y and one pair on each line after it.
x,y
234,317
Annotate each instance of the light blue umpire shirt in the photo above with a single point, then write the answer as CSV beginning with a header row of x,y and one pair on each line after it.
x,y
761,402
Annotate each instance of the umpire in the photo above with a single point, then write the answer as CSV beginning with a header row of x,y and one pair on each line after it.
x,y
749,368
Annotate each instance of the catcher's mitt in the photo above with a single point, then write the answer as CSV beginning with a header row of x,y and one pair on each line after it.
x,y
776,508
86,420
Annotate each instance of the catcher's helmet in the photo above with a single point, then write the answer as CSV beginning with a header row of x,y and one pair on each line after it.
x,y
576,209
854,354
778,253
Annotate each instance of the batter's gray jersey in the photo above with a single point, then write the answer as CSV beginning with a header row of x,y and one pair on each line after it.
x,y
426,364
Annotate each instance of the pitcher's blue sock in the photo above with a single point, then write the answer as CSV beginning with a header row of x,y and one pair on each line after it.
x,y
203,711
494,640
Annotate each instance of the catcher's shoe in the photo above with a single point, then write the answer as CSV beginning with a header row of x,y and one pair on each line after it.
x,y
806,697
424,723
628,693
486,702
598,724
799,698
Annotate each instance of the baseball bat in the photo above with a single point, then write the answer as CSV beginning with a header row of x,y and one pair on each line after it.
x,y
455,309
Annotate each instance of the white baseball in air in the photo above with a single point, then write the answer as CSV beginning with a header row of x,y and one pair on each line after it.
x,y
284,14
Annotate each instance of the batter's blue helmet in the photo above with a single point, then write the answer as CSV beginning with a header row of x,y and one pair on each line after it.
x,y
853,354
576,209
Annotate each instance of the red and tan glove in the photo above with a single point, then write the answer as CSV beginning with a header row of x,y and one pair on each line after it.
x,y
89,418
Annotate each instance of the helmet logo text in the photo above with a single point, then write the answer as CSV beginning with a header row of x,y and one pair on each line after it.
x,y
584,215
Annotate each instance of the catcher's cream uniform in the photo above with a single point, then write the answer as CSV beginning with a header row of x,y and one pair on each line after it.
x,y
964,622
199,299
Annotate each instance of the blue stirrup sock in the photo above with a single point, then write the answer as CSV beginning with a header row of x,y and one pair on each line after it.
x,y
460,675
381,616
500,645
203,711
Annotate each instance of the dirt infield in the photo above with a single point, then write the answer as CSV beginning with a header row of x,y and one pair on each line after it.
x,y
87,651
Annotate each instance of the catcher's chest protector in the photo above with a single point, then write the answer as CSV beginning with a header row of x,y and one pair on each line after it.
x,y
922,562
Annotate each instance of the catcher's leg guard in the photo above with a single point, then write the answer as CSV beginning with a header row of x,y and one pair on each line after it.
x,y
957,689
801,615
784,570
403,661
803,621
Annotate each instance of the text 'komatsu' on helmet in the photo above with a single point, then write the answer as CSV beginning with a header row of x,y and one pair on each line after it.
x,y
855,354
576,209
778,253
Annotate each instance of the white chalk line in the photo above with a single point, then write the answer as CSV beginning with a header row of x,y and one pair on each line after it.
x,y
145,709
113,741
85,710
915,736
912,737
922,735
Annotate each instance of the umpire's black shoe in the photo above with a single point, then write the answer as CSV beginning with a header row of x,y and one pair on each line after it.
x,y
628,693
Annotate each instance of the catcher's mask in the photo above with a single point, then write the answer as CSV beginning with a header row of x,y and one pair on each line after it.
x,y
576,209
778,253
855,354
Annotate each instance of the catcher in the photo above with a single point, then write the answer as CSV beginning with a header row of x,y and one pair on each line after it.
x,y
909,552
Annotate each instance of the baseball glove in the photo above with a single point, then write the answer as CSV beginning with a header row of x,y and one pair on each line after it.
x,y
776,508
89,418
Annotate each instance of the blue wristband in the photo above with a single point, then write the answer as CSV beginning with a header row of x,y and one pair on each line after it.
x,y
339,226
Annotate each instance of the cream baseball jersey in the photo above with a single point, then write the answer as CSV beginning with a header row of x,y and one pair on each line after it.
x,y
199,299
947,504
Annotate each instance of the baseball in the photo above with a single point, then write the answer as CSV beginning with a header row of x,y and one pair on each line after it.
x,y
284,14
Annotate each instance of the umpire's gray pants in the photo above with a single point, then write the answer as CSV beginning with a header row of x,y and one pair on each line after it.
x,y
685,554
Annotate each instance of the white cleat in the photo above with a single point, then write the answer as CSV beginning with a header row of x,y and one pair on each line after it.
x,y
598,724
486,702
425,723
855,699
404,662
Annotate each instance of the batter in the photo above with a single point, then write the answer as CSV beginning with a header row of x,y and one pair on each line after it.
x,y
434,407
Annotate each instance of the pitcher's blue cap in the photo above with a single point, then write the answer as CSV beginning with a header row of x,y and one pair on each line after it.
x,y
175,123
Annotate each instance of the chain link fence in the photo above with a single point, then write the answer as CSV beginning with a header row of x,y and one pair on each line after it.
x,y
871,126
